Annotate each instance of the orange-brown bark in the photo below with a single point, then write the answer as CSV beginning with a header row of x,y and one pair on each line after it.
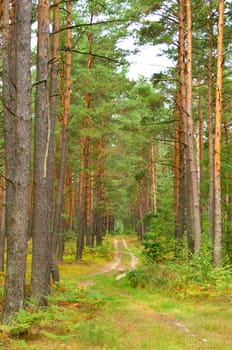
x,y
217,160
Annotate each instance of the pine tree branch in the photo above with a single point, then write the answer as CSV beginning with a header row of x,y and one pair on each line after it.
x,y
93,55
92,24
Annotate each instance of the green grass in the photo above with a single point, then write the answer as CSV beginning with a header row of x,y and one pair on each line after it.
x,y
110,314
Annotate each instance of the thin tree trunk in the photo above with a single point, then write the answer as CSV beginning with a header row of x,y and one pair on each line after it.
x,y
80,211
142,229
176,171
217,163
53,109
189,204
201,140
98,211
182,185
14,290
228,180
3,224
183,126
89,204
68,197
153,178
210,126
87,147
64,137
190,143
9,100
8,126
42,212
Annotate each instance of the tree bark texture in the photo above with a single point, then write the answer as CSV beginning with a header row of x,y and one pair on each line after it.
x,y
53,109
64,131
183,127
14,291
217,159
189,136
9,99
41,223
210,126
153,177
8,124
98,206
3,222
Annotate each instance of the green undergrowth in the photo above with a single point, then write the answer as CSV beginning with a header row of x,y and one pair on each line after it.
x,y
171,268
98,312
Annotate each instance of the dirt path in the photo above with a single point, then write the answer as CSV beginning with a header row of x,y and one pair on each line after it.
x,y
121,248
116,265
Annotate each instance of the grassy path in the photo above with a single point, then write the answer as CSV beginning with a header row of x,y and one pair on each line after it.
x,y
95,310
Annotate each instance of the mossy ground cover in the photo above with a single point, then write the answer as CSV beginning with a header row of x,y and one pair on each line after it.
x,y
98,312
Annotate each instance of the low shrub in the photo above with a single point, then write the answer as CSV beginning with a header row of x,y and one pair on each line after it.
x,y
193,275
157,248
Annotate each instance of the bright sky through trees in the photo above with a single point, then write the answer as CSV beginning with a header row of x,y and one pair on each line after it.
x,y
147,61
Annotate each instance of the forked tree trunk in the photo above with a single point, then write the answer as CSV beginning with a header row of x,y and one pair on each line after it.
x,y
217,163
42,212
14,290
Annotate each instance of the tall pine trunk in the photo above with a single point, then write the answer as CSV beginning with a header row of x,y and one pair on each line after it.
x,y
41,222
217,162
64,131
53,103
9,100
194,194
182,130
98,206
8,126
210,125
3,223
14,290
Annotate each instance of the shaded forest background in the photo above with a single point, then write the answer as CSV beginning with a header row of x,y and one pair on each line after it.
x,y
85,150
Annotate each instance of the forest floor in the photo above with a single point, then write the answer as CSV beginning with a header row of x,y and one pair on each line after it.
x,y
95,308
